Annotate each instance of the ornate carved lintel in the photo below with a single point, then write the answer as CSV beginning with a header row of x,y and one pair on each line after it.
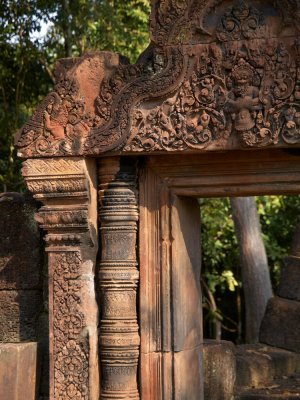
x,y
118,279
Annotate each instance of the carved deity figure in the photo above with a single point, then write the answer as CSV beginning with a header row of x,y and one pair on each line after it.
x,y
243,99
56,118
291,129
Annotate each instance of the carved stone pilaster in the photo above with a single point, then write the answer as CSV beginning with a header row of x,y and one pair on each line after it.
x,y
118,279
68,215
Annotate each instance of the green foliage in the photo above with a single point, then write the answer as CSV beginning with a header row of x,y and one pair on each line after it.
x,y
220,255
79,26
278,217
219,244
27,57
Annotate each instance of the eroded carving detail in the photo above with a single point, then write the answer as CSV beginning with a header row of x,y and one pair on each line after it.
x,y
240,22
64,119
118,279
60,124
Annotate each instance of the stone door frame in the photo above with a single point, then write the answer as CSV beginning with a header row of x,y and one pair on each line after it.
x,y
164,180
142,347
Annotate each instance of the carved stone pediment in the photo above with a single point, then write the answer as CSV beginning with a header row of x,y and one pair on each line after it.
x,y
218,75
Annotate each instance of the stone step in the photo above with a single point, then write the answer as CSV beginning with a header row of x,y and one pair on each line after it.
x,y
18,371
219,369
247,370
281,324
258,365
287,388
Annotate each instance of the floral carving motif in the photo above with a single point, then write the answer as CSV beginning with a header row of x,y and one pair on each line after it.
x,y
234,91
58,184
240,22
217,74
70,351
113,135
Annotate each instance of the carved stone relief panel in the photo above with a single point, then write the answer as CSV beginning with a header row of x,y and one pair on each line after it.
x,y
62,122
68,215
217,75
240,87
176,22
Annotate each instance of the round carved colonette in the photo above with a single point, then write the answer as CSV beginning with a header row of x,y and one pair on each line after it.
x,y
118,279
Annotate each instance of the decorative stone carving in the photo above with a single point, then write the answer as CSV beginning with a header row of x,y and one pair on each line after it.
x,y
65,188
218,75
64,119
175,22
118,280
240,89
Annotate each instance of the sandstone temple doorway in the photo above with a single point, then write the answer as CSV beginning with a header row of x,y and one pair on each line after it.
x,y
119,153
170,258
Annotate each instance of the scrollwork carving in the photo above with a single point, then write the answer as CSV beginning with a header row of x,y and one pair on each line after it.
x,y
217,75
71,367
238,90
240,22
114,135
62,122
59,124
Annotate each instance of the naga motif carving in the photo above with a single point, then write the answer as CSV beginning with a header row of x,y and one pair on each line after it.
x,y
118,280
71,248
113,135
218,75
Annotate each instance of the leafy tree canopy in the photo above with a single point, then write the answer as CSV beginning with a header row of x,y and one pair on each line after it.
x,y
34,33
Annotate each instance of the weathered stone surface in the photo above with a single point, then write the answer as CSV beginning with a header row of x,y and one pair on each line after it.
x,y
18,371
285,388
20,243
281,324
258,365
289,287
219,75
19,311
63,120
219,369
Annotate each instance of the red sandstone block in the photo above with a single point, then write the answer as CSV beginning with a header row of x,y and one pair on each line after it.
x,y
18,371
19,311
281,324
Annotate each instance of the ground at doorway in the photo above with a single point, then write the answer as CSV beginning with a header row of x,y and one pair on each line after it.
x,y
250,372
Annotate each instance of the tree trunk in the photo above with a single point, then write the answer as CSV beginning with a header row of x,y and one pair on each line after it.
x,y
254,265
